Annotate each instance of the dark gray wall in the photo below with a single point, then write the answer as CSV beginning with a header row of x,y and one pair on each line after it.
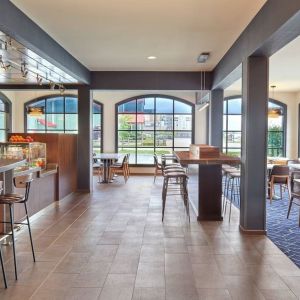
x,y
254,144
216,118
84,147
149,80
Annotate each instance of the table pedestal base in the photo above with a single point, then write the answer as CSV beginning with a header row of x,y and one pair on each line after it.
x,y
210,193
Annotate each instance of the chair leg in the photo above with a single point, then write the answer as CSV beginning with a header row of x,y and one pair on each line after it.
x,y
155,174
124,174
3,270
29,230
164,196
271,192
232,194
290,206
11,214
186,195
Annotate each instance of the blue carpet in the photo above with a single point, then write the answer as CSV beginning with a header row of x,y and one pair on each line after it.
x,y
284,233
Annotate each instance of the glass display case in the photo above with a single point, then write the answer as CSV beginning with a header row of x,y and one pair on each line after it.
x,y
34,153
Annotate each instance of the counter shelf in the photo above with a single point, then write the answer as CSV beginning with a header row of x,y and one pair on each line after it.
x,y
34,153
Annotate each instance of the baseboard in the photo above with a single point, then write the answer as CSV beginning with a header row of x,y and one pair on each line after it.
x,y
83,191
252,232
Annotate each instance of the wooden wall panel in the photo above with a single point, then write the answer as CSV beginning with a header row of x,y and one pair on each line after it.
x,y
61,149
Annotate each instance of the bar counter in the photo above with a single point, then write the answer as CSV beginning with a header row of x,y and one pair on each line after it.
x,y
206,194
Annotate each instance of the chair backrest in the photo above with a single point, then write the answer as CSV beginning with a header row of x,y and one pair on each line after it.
x,y
21,182
24,182
155,160
280,170
124,160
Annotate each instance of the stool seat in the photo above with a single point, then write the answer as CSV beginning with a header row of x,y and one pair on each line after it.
x,y
234,174
11,198
176,175
181,170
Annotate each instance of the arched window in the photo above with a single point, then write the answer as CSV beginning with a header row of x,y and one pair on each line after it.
x,y
59,114
232,126
153,124
5,117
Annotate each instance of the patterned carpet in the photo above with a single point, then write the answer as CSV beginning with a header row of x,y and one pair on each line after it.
x,y
284,233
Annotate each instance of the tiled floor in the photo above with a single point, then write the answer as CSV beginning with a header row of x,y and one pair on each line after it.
x,y
111,245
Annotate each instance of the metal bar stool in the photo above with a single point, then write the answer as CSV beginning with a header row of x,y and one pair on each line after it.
x,y
226,187
181,181
11,200
233,185
3,270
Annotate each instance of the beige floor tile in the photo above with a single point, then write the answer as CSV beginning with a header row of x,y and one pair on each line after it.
x,y
116,293
214,294
208,276
124,265
149,294
83,293
293,283
112,245
278,295
150,275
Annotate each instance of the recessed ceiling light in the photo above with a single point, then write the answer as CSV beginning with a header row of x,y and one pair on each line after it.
x,y
152,57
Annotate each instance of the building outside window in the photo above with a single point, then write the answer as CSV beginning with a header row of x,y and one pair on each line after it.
x,y
153,124
59,114
232,127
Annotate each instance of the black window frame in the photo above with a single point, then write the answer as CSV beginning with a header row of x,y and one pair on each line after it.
x,y
64,131
101,124
282,105
8,111
136,98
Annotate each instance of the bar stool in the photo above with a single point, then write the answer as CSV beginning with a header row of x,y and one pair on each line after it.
x,y
181,181
11,200
226,187
233,185
3,270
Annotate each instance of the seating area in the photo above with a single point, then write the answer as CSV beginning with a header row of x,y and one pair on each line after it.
x,y
150,150
283,200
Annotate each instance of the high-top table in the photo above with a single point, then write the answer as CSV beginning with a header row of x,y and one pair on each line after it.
x,y
107,159
208,203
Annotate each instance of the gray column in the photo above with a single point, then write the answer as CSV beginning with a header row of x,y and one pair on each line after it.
x,y
84,148
254,144
216,118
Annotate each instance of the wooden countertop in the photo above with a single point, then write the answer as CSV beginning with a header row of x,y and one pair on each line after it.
x,y
10,164
185,157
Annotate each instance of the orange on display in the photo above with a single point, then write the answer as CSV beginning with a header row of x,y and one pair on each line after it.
x,y
21,139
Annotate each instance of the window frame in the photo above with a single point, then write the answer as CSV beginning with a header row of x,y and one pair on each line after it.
x,y
283,131
173,98
101,124
8,110
45,97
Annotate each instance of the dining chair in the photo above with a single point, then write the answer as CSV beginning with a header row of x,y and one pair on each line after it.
x,y
120,168
98,167
279,175
295,192
157,166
